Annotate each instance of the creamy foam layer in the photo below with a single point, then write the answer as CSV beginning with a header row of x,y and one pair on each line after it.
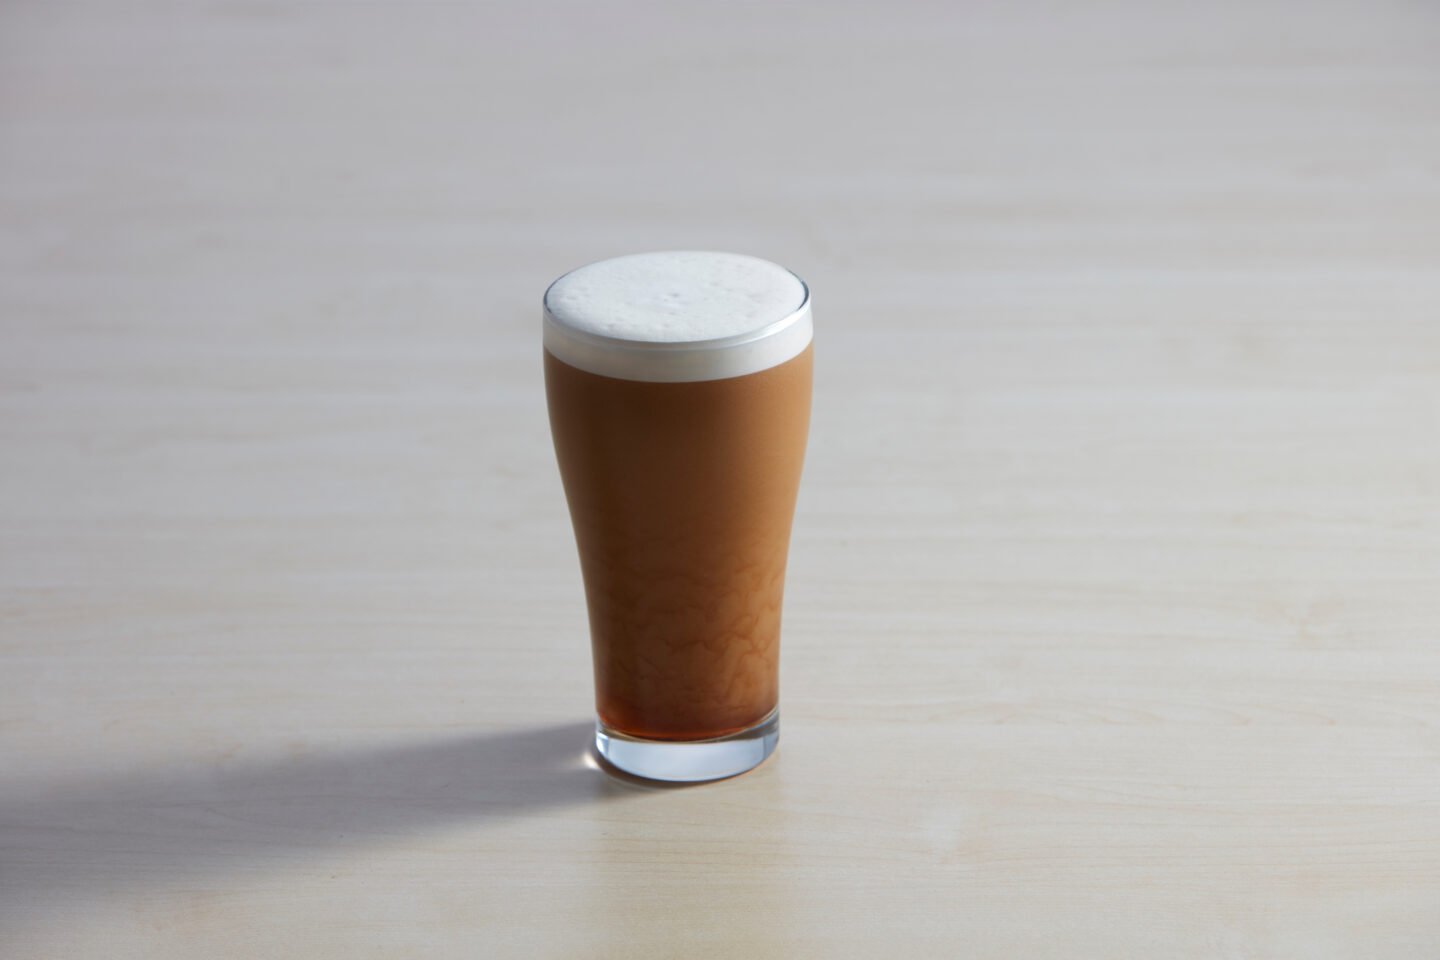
x,y
677,316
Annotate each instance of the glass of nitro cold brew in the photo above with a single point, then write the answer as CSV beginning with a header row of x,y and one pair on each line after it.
x,y
679,396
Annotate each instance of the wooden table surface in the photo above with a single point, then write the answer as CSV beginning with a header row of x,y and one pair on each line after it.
x,y
1113,622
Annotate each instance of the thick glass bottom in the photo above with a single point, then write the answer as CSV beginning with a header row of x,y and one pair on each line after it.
x,y
689,761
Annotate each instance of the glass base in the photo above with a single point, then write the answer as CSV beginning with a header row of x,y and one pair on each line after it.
x,y
689,761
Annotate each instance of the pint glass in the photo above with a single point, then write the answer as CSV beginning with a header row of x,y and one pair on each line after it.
x,y
679,394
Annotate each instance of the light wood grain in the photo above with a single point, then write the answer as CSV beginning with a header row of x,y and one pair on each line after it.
x,y
1113,626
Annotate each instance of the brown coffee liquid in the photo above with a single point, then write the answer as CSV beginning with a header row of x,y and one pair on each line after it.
x,y
682,496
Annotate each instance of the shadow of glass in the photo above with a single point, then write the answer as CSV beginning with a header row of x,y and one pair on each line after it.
x,y
162,825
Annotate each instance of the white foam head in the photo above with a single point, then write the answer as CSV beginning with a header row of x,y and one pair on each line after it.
x,y
677,316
